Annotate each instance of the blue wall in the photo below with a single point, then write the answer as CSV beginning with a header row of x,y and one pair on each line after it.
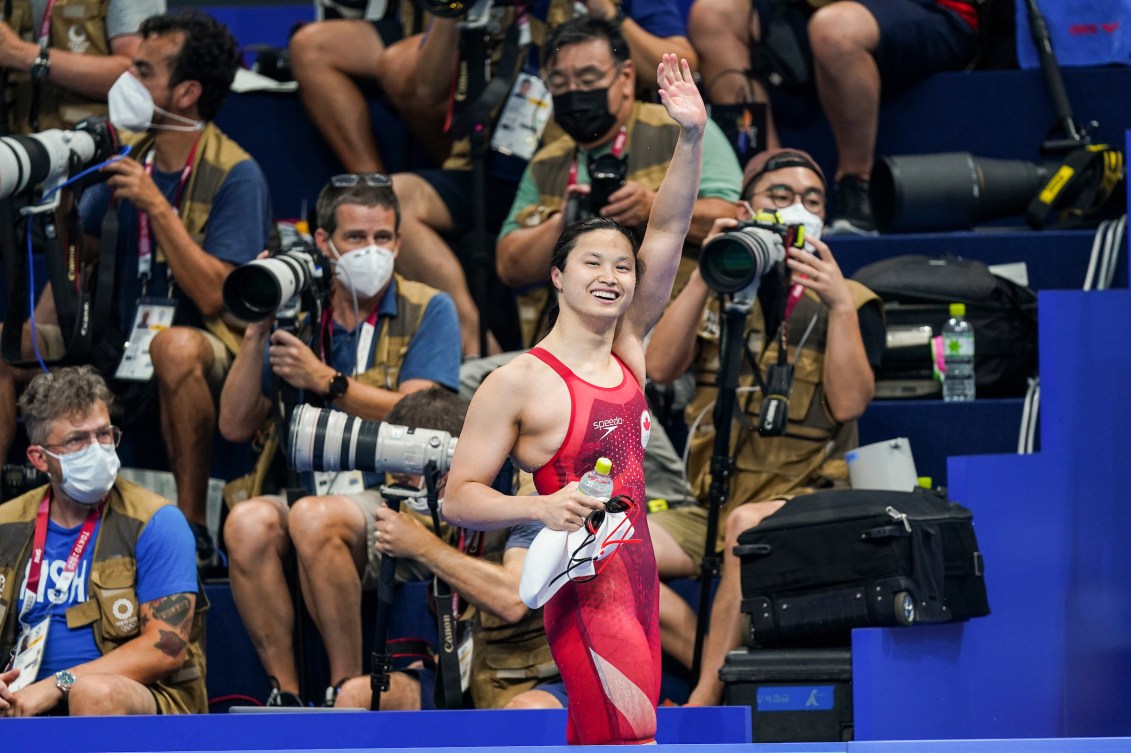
x,y
1054,657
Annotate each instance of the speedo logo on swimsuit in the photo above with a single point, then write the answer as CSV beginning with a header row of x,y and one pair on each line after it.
x,y
609,425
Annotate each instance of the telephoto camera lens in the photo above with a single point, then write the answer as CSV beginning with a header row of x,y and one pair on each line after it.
x,y
732,261
330,440
256,290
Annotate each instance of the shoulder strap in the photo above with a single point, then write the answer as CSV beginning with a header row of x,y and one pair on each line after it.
x,y
551,360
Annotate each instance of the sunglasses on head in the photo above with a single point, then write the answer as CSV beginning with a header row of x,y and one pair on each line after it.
x,y
349,180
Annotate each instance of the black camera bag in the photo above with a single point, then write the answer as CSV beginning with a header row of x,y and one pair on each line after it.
x,y
917,292
834,560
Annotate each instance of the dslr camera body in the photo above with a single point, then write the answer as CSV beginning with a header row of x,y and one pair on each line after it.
x,y
606,174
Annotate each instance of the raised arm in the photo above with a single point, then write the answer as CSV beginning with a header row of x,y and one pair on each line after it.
x,y
675,200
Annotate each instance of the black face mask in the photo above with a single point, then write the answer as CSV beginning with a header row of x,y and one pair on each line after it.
x,y
584,115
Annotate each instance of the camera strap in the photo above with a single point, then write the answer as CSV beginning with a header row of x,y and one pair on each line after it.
x,y
1078,188
448,692
616,150
477,108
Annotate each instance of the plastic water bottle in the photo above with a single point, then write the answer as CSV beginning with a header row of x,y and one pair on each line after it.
x,y
597,482
958,354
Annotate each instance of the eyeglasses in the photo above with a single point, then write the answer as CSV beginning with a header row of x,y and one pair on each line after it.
x,y
589,78
783,195
349,180
80,440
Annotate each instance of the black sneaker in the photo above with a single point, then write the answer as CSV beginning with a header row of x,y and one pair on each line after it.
x,y
852,208
210,561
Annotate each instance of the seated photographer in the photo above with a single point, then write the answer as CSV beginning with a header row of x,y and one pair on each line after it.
x,y
383,338
67,61
189,205
333,58
835,338
852,51
103,615
511,665
438,203
592,78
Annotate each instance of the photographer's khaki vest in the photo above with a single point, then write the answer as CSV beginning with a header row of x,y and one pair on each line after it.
x,y
811,453
112,609
77,26
216,155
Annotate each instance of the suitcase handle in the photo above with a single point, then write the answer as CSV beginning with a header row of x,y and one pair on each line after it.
x,y
883,533
757,551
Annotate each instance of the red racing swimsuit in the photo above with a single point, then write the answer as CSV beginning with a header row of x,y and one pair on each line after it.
x,y
604,633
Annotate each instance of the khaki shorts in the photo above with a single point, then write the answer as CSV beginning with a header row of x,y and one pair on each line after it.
x,y
368,502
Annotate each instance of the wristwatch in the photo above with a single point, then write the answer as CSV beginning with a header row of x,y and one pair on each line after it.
x,y
42,64
339,383
64,680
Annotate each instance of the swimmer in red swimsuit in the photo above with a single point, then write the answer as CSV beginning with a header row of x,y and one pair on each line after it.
x,y
574,398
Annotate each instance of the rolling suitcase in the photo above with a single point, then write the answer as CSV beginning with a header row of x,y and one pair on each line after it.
x,y
834,560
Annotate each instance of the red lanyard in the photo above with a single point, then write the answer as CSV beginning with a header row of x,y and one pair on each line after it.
x,y
144,235
364,345
45,24
617,148
39,545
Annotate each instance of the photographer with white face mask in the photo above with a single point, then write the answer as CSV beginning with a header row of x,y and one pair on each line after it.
x,y
76,646
835,339
381,338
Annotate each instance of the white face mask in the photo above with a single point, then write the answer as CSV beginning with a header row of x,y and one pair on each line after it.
x,y
132,108
89,474
797,214
364,271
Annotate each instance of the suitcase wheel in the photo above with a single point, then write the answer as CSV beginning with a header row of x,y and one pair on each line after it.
x,y
904,606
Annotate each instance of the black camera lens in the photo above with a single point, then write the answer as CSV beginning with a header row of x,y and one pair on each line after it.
x,y
732,261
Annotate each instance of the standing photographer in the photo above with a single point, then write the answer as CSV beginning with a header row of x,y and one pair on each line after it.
x,y
592,78
836,338
382,338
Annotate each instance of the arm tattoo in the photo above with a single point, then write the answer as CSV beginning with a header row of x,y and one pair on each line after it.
x,y
170,643
175,609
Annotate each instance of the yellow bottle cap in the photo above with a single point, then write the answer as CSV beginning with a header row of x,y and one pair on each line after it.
x,y
926,482
604,465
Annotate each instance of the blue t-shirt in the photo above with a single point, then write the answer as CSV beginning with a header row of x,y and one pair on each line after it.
x,y
166,565
520,536
238,226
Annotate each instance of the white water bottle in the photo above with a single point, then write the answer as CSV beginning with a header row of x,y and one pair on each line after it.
x,y
958,355
597,483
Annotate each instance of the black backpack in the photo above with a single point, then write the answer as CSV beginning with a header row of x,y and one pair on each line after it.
x,y
917,292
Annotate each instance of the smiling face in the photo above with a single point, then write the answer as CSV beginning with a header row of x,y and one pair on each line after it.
x,y
599,275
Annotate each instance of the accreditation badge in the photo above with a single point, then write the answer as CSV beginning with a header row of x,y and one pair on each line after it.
x,y
338,482
153,315
28,654
523,118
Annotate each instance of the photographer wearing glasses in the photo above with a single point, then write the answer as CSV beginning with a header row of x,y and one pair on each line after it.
x,y
835,337
97,574
612,160
382,337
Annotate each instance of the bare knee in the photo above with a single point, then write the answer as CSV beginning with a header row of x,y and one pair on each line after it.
x,y
839,31
533,699
107,695
254,529
179,353
747,516
319,522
